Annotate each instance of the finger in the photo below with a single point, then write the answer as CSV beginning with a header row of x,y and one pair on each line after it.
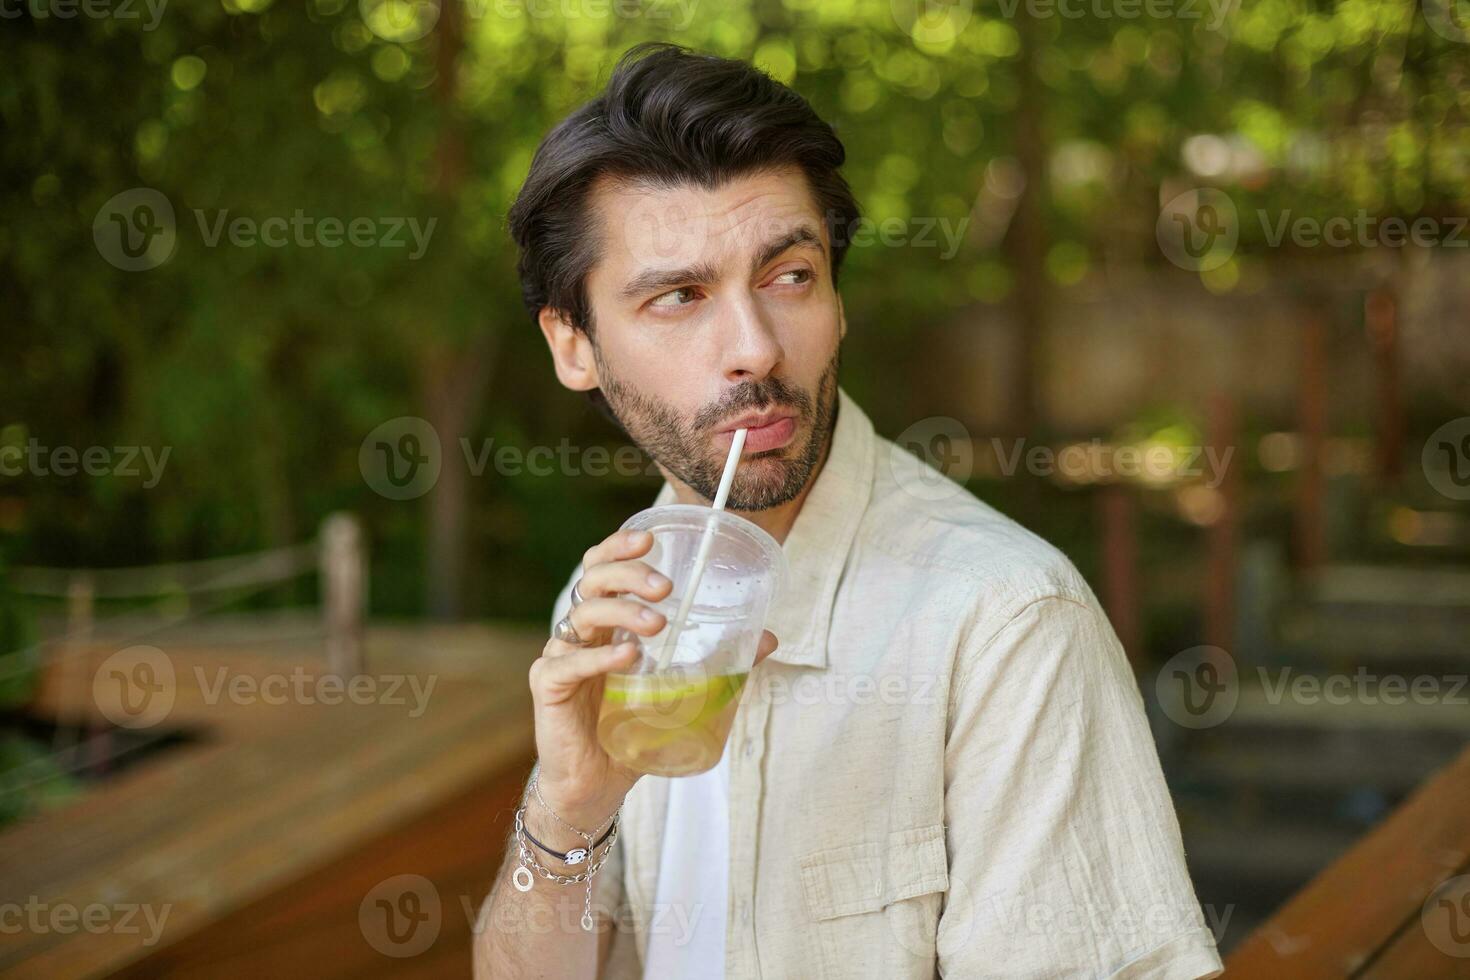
x,y
623,544
621,577
560,648
553,678
768,645
599,614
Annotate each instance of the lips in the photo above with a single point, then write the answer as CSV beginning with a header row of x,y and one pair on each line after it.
x,y
761,438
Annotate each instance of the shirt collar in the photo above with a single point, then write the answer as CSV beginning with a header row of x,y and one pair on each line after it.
x,y
821,539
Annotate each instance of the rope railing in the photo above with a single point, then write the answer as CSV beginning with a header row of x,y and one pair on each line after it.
x,y
337,555
149,581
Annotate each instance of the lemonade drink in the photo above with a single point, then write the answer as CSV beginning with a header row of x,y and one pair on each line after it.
x,y
669,723
671,713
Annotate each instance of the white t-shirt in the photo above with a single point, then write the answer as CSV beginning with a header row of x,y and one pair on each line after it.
x,y
687,936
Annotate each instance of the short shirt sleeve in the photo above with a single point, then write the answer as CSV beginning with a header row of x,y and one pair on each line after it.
x,y
1065,855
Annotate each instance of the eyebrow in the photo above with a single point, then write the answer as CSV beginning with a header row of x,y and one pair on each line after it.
x,y
800,235
705,274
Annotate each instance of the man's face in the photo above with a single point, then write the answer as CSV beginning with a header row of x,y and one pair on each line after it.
x,y
710,306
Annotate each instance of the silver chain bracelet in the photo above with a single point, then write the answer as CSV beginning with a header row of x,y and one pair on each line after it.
x,y
529,863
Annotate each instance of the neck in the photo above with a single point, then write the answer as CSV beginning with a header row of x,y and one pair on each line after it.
x,y
775,521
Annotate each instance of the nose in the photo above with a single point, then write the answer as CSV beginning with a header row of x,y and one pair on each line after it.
x,y
751,350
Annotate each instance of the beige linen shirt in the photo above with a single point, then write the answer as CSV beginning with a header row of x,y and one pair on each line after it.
x,y
945,768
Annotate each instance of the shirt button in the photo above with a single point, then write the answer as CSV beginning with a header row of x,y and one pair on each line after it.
x,y
749,747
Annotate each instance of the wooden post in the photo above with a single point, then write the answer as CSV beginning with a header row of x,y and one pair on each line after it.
x,y
74,673
1380,318
1223,538
1311,488
1120,564
343,570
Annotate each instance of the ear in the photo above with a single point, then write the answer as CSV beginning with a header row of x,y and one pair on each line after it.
x,y
841,320
571,351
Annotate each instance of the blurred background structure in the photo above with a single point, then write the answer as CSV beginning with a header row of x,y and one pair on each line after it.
x,y
1181,285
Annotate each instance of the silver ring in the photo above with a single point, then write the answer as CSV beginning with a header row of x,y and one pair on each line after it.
x,y
566,632
576,593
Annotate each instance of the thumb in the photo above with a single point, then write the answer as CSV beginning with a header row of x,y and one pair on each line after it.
x,y
768,645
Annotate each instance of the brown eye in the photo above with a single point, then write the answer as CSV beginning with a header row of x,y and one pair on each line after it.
x,y
674,298
804,275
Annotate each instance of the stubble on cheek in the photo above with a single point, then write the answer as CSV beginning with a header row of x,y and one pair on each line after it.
x,y
765,480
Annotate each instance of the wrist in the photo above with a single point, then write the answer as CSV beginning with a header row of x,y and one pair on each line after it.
x,y
590,815
584,810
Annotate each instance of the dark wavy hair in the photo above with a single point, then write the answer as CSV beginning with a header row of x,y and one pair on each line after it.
x,y
671,116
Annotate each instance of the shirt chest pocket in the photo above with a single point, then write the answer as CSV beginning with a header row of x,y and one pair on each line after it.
x,y
875,904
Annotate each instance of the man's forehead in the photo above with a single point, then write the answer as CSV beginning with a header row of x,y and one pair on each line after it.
x,y
642,222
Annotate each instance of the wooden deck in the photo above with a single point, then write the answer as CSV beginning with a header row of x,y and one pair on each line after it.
x,y
263,838
1368,915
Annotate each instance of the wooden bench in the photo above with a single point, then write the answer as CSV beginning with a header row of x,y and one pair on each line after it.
x,y
1361,917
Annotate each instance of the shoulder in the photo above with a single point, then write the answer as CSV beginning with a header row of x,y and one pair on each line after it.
x,y
923,520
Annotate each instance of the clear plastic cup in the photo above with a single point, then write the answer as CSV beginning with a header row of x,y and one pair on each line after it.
x,y
674,721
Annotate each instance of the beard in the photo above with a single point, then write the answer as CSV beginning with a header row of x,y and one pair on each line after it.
x,y
765,479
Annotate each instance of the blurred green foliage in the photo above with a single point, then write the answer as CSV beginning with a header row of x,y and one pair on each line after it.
x,y
263,368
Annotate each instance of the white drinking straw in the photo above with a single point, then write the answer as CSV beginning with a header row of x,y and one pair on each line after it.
x,y
726,478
